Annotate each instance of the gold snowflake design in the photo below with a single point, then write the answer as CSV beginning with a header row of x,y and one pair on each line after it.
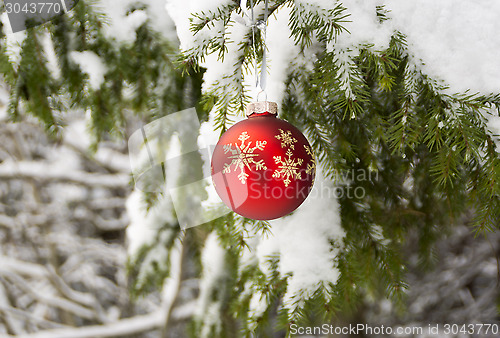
x,y
311,167
288,167
286,139
242,156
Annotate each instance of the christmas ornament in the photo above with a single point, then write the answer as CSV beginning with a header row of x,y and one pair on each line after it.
x,y
263,167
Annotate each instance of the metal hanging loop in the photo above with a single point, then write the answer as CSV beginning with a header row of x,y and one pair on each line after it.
x,y
262,92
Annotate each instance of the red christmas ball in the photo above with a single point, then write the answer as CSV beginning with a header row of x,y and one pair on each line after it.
x,y
263,167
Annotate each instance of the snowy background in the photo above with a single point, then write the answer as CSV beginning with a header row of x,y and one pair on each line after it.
x,y
59,203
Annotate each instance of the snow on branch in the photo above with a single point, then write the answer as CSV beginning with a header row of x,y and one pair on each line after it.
x,y
13,312
50,300
47,173
124,327
22,268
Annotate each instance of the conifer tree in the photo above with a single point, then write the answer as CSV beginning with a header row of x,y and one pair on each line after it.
x,y
363,110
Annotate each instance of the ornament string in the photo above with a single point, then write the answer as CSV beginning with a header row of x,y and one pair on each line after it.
x,y
260,83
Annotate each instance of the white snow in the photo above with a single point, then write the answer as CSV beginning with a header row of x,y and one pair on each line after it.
x,y
302,241
456,39
257,306
50,55
493,124
138,231
281,48
364,26
144,224
160,19
4,100
281,52
77,134
181,11
91,64
173,174
213,262
122,23
208,139
13,41
456,42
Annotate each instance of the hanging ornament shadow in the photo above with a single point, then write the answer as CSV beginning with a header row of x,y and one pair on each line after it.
x,y
263,167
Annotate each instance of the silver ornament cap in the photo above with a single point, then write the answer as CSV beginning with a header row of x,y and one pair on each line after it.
x,y
262,107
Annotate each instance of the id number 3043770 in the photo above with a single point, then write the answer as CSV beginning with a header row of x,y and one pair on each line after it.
x,y
33,8
486,329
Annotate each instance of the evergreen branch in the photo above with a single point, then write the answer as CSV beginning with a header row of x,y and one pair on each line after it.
x,y
201,20
311,21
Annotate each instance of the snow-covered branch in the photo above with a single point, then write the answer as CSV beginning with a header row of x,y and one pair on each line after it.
x,y
47,173
56,272
10,312
50,300
173,283
22,268
124,327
